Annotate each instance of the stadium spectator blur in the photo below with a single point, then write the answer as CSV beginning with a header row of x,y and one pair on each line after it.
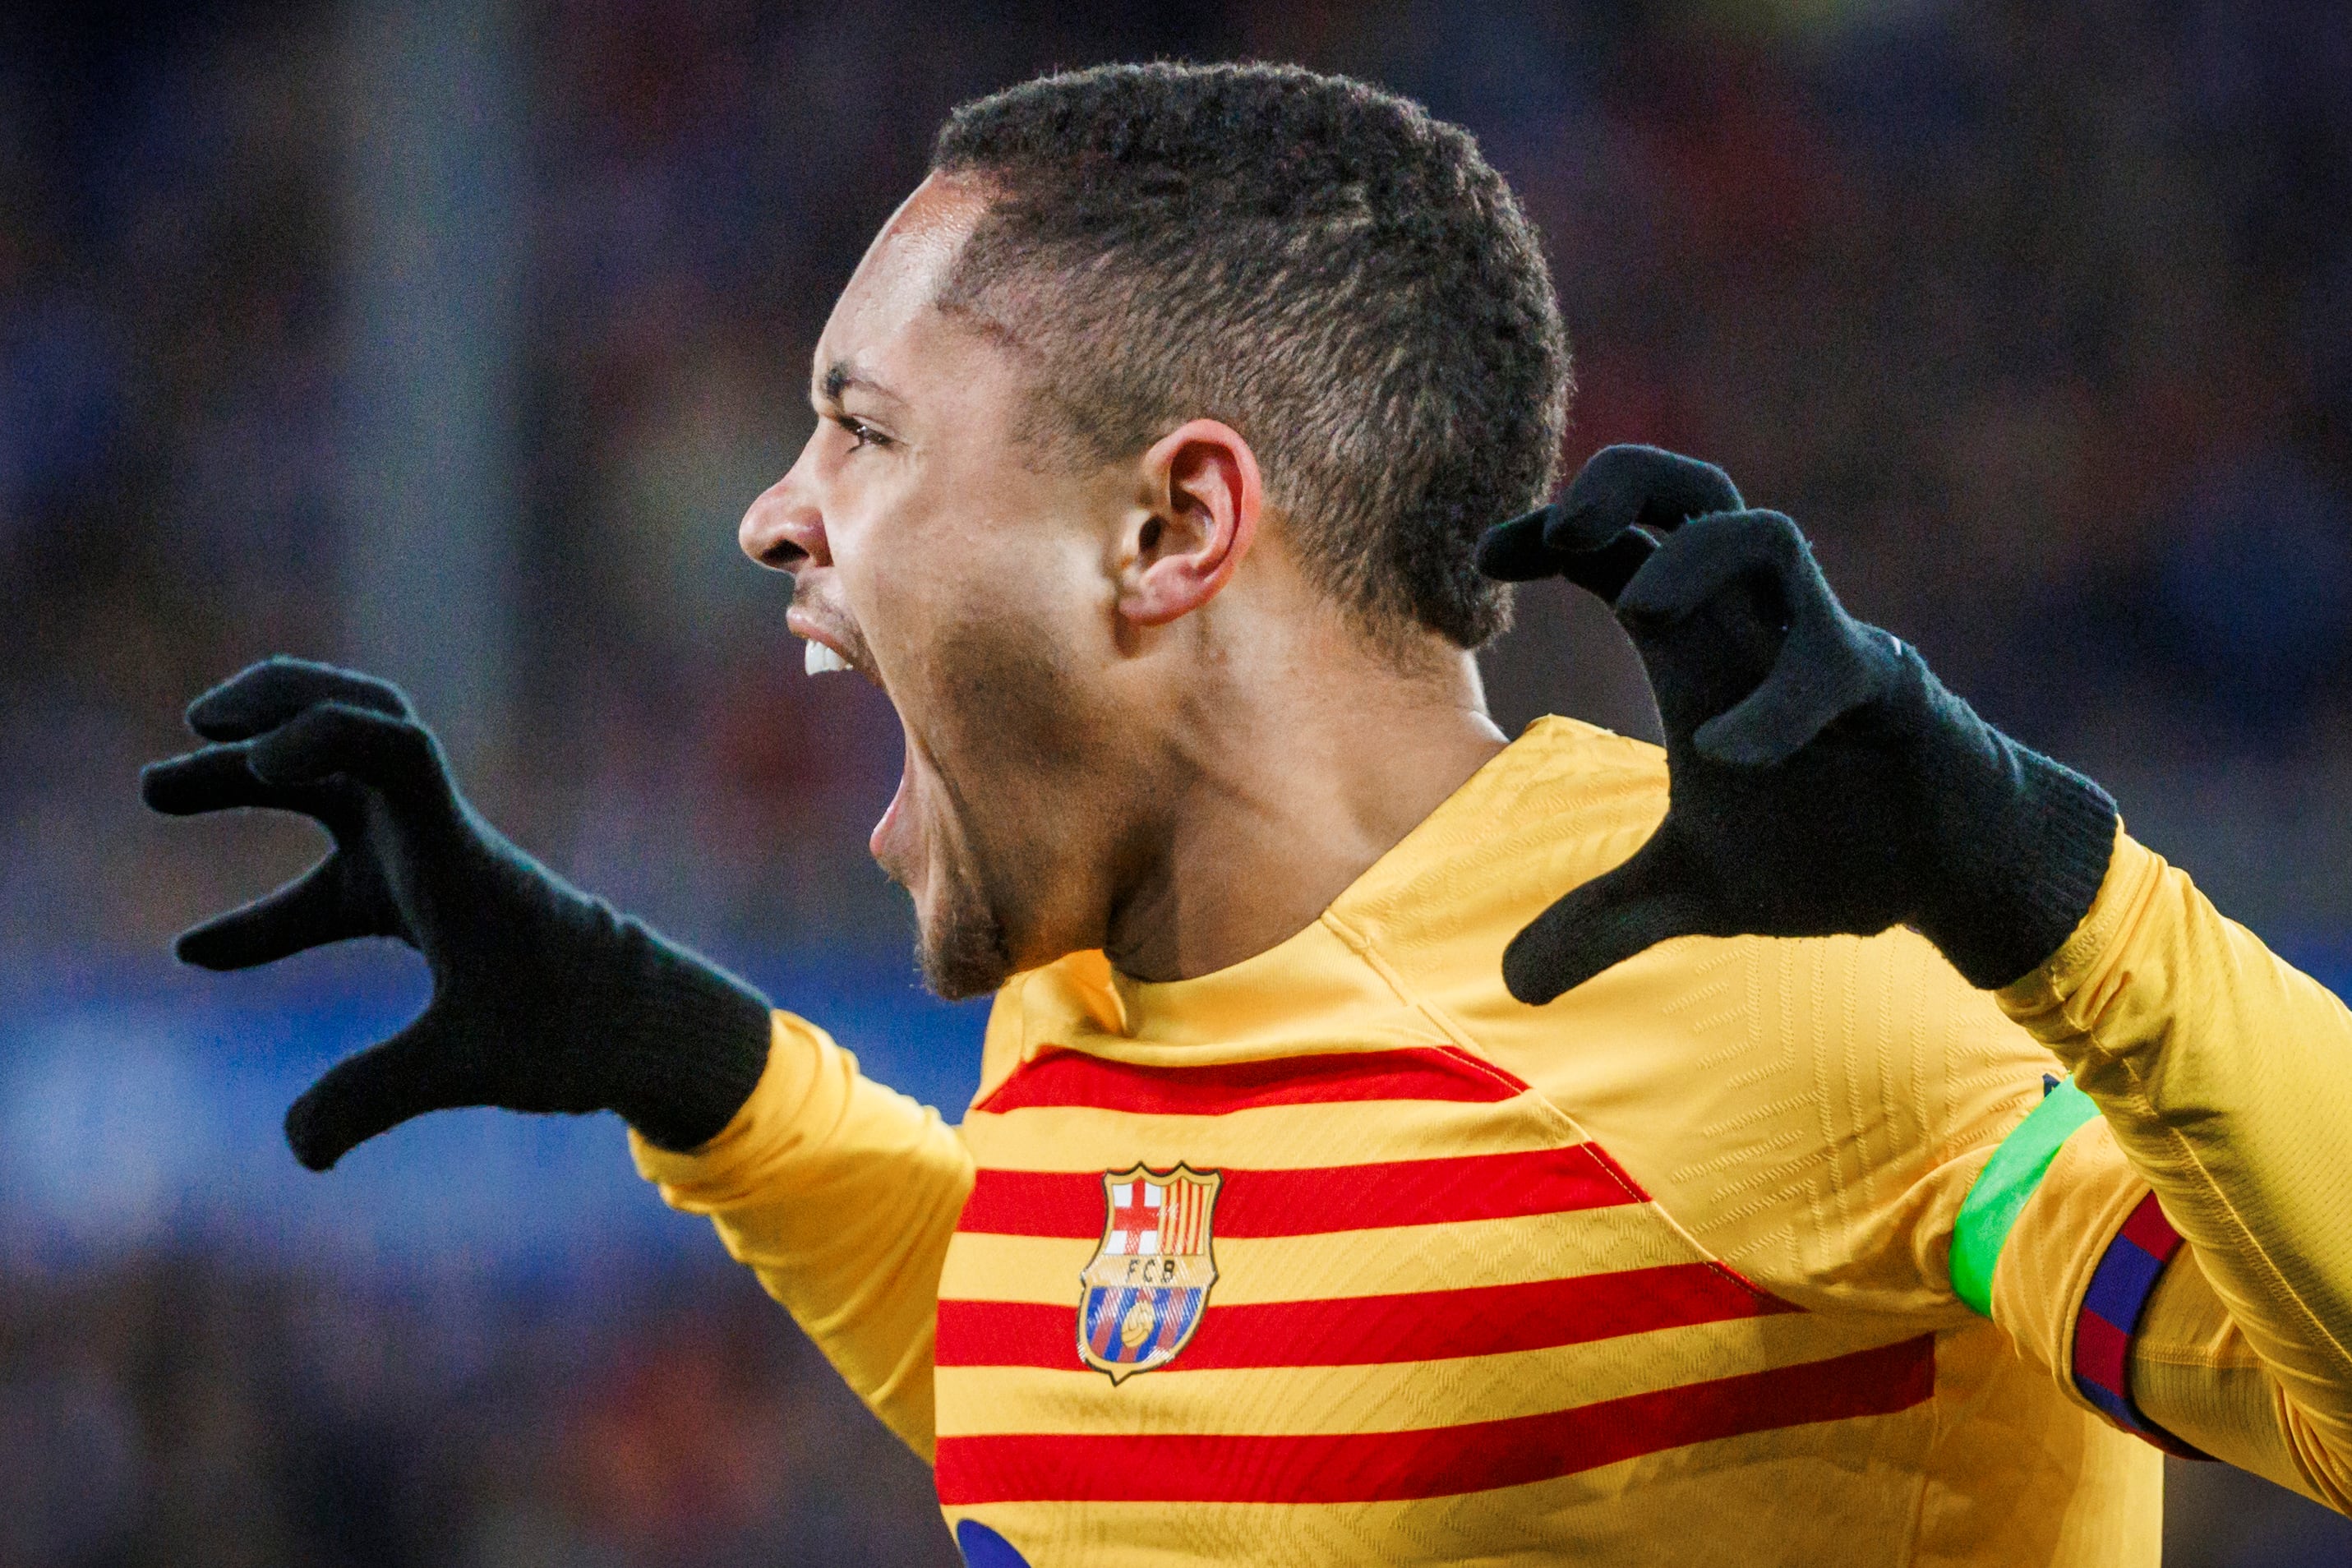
x,y
2038,318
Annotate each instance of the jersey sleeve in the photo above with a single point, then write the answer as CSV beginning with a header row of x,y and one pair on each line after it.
x,y
841,1194
2188,1247
2190,1363
2060,1241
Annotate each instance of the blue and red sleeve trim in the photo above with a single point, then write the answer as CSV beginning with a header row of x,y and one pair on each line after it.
x,y
2112,1308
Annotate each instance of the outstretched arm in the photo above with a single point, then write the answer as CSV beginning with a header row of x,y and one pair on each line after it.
x,y
543,998
840,1193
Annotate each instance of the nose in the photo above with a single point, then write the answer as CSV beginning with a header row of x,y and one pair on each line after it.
x,y
783,530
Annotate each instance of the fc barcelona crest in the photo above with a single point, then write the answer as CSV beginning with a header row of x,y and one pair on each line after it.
x,y
1148,1280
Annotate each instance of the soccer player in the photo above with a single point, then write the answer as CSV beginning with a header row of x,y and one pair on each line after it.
x,y
1875,1155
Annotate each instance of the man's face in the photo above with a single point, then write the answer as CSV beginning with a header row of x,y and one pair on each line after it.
x,y
972,589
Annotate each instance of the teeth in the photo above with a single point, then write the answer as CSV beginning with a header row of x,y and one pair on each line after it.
x,y
823,660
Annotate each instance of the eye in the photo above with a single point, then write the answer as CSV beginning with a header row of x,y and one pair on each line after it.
x,y
861,434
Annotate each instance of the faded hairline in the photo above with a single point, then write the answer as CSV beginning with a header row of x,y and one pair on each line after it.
x,y
1055,437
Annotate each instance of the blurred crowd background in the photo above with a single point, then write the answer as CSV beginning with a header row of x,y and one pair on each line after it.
x,y
453,337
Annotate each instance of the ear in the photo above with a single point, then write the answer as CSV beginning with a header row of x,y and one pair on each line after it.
x,y
1199,517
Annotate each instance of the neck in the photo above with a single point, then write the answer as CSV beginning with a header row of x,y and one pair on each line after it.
x,y
1289,780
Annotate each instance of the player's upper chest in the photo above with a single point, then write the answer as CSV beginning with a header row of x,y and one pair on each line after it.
x,y
1357,1276
1380,1207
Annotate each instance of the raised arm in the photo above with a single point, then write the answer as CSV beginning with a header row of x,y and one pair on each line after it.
x,y
1824,780
840,1193
543,998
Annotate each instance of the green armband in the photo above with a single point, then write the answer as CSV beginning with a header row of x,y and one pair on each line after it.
x,y
2001,1188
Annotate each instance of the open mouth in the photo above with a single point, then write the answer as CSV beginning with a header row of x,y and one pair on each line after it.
x,y
846,656
896,822
839,650
833,648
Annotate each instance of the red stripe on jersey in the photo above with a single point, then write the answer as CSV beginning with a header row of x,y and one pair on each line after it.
x,y
1318,1200
1442,1461
1366,1330
1074,1078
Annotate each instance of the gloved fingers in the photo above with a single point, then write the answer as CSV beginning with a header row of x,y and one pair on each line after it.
x,y
1606,571
263,696
1708,556
1827,665
312,910
1823,672
1708,615
395,755
1780,684
1515,551
212,778
1595,928
417,1070
1630,486
217,778
1519,552
1594,535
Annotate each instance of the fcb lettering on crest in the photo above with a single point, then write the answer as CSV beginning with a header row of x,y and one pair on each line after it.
x,y
1144,1289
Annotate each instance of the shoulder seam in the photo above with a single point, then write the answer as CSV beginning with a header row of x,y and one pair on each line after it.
x,y
1363,948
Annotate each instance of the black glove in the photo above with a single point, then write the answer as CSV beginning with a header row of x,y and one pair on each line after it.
x,y
1820,779
543,998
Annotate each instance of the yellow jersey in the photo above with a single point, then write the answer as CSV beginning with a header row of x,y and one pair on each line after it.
x,y
1745,1251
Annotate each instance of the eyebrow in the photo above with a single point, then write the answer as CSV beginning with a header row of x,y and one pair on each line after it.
x,y
839,378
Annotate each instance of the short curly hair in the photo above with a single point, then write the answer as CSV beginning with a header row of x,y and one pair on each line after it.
x,y
1319,264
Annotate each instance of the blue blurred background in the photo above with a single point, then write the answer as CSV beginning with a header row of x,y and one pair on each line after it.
x,y
451,339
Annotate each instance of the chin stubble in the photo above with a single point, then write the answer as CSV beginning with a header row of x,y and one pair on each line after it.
x,y
962,949
1019,733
